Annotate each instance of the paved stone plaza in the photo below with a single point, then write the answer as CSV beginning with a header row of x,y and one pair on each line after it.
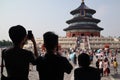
x,y
34,76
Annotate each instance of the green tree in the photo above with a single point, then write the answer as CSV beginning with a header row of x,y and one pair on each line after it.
x,y
5,43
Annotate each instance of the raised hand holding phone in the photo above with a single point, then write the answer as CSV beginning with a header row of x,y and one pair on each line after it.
x,y
30,35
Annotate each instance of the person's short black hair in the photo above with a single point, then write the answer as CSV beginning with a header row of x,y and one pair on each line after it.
x,y
17,34
50,40
84,60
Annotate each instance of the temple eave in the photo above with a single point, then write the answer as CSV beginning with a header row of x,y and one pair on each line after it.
x,y
81,19
87,10
94,27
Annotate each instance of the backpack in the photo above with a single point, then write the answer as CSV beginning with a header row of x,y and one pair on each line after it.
x,y
115,64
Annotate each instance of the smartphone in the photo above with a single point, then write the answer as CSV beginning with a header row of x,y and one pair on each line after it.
x,y
30,35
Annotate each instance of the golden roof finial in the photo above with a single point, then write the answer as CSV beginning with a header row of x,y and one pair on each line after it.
x,y
82,0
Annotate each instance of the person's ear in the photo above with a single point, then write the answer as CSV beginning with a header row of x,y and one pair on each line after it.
x,y
24,41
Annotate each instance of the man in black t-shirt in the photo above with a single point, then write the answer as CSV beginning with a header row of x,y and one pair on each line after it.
x,y
16,58
52,66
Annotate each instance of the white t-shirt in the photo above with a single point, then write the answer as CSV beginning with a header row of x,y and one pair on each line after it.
x,y
100,65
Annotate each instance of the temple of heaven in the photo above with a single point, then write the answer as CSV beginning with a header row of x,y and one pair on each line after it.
x,y
83,23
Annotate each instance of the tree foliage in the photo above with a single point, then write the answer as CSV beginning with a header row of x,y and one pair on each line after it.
x,y
5,43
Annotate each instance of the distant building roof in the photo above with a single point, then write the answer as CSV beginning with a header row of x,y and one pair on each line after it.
x,y
81,7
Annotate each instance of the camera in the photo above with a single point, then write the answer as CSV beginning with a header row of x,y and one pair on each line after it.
x,y
30,35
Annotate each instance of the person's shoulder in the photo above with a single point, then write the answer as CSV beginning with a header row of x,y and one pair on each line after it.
x,y
12,49
26,51
78,70
87,68
94,69
7,50
40,58
59,56
62,58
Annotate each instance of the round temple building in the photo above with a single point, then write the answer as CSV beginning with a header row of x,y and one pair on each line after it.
x,y
83,23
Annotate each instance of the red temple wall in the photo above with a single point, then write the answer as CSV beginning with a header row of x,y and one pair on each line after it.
x,y
76,34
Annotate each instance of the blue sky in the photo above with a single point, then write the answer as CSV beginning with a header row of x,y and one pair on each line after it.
x,y
51,15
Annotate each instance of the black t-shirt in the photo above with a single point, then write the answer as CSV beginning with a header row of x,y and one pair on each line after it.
x,y
17,62
87,73
52,67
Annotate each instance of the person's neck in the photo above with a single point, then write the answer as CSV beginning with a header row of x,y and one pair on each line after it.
x,y
50,51
18,46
